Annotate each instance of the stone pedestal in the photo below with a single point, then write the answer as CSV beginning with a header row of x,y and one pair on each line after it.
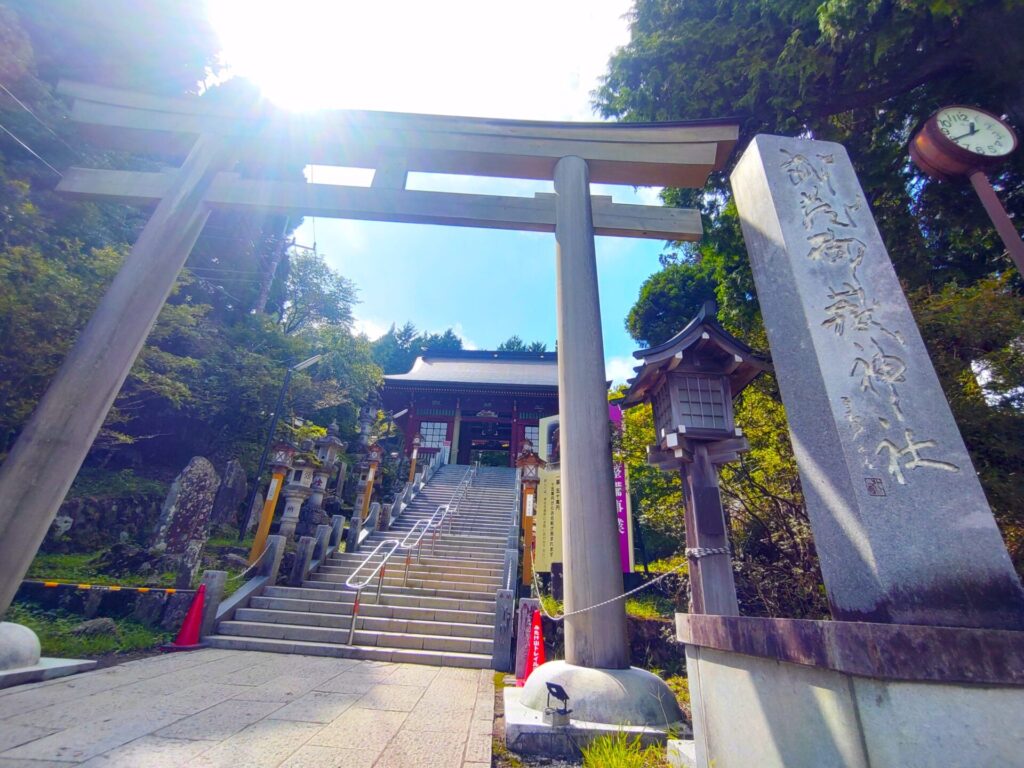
x,y
813,694
294,495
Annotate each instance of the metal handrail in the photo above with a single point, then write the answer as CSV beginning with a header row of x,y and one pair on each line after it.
x,y
379,571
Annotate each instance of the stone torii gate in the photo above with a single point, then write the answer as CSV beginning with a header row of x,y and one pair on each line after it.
x,y
211,140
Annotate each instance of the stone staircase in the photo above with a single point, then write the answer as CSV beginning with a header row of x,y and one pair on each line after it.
x,y
442,614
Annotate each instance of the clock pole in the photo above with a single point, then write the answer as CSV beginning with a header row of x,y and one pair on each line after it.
x,y
1000,218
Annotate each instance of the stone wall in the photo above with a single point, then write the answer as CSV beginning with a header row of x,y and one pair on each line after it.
x,y
90,523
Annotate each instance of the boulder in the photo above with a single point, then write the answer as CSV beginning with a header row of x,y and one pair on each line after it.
x,y
94,627
227,504
186,510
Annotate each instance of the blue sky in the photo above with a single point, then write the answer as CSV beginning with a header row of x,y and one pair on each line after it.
x,y
534,59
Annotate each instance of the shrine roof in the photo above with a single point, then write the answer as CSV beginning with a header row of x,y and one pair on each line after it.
x,y
482,368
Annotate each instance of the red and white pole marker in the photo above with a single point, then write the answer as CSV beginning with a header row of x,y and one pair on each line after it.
x,y
535,650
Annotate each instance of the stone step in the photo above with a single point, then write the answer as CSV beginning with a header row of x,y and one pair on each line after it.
x,y
396,578
297,605
367,621
457,593
362,637
345,564
388,597
451,575
369,653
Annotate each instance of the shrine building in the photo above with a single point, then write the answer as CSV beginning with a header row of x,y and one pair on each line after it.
x,y
482,404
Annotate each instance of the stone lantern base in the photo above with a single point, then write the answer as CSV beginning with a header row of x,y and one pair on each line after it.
x,y
603,701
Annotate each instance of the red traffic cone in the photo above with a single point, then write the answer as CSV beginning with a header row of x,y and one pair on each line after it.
x,y
188,636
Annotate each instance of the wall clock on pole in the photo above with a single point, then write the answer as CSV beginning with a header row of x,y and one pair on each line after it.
x,y
960,141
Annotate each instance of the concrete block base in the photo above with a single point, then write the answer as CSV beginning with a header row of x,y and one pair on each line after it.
x,y
682,753
526,733
47,668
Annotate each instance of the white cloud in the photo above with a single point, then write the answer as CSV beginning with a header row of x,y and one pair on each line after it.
x,y
373,329
618,369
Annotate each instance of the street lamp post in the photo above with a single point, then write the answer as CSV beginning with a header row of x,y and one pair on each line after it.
x,y
270,438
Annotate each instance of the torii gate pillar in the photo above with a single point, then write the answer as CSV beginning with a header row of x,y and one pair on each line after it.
x,y
590,547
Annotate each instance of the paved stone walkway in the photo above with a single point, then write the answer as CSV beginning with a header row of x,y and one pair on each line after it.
x,y
245,709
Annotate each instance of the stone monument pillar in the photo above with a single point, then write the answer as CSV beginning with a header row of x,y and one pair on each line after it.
x,y
900,521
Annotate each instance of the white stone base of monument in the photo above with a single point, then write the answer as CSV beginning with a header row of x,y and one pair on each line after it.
x,y
603,701
780,693
20,660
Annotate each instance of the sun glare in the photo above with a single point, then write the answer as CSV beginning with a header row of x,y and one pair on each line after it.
x,y
532,59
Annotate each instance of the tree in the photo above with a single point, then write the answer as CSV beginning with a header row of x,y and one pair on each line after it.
x,y
315,295
863,74
397,350
516,344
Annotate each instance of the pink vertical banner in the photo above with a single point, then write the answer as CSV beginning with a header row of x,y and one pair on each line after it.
x,y
622,506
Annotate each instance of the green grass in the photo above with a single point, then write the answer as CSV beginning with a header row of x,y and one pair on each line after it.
x,y
501,755
552,606
54,630
667,564
106,484
621,751
78,567
650,605
680,686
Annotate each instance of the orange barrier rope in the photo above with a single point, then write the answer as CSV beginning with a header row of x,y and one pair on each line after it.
x,y
107,587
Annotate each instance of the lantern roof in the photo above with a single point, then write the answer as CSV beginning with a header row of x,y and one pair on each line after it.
x,y
702,346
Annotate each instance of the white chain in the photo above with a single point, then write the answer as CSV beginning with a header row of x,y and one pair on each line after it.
x,y
259,559
695,553
623,596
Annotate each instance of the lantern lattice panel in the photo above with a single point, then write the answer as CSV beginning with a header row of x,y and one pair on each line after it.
x,y
661,404
701,402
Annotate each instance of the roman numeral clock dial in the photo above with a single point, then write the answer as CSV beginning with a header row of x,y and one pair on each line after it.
x,y
960,141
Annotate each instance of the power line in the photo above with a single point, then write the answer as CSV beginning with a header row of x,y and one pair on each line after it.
x,y
39,120
31,151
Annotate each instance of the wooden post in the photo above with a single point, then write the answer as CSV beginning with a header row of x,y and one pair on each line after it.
x,y
590,542
70,414
267,515
712,586
529,514
368,491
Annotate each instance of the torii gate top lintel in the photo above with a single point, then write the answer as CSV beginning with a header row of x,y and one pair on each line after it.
x,y
678,154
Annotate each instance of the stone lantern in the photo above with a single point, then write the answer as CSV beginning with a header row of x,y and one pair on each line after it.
x,y
298,489
529,464
417,439
327,449
690,382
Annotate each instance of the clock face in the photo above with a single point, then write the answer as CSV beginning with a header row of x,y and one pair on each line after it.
x,y
975,131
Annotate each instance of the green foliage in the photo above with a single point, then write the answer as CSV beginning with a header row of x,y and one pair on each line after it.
x,y
104,483
80,568
516,344
246,307
397,350
863,74
54,630
620,751
650,605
